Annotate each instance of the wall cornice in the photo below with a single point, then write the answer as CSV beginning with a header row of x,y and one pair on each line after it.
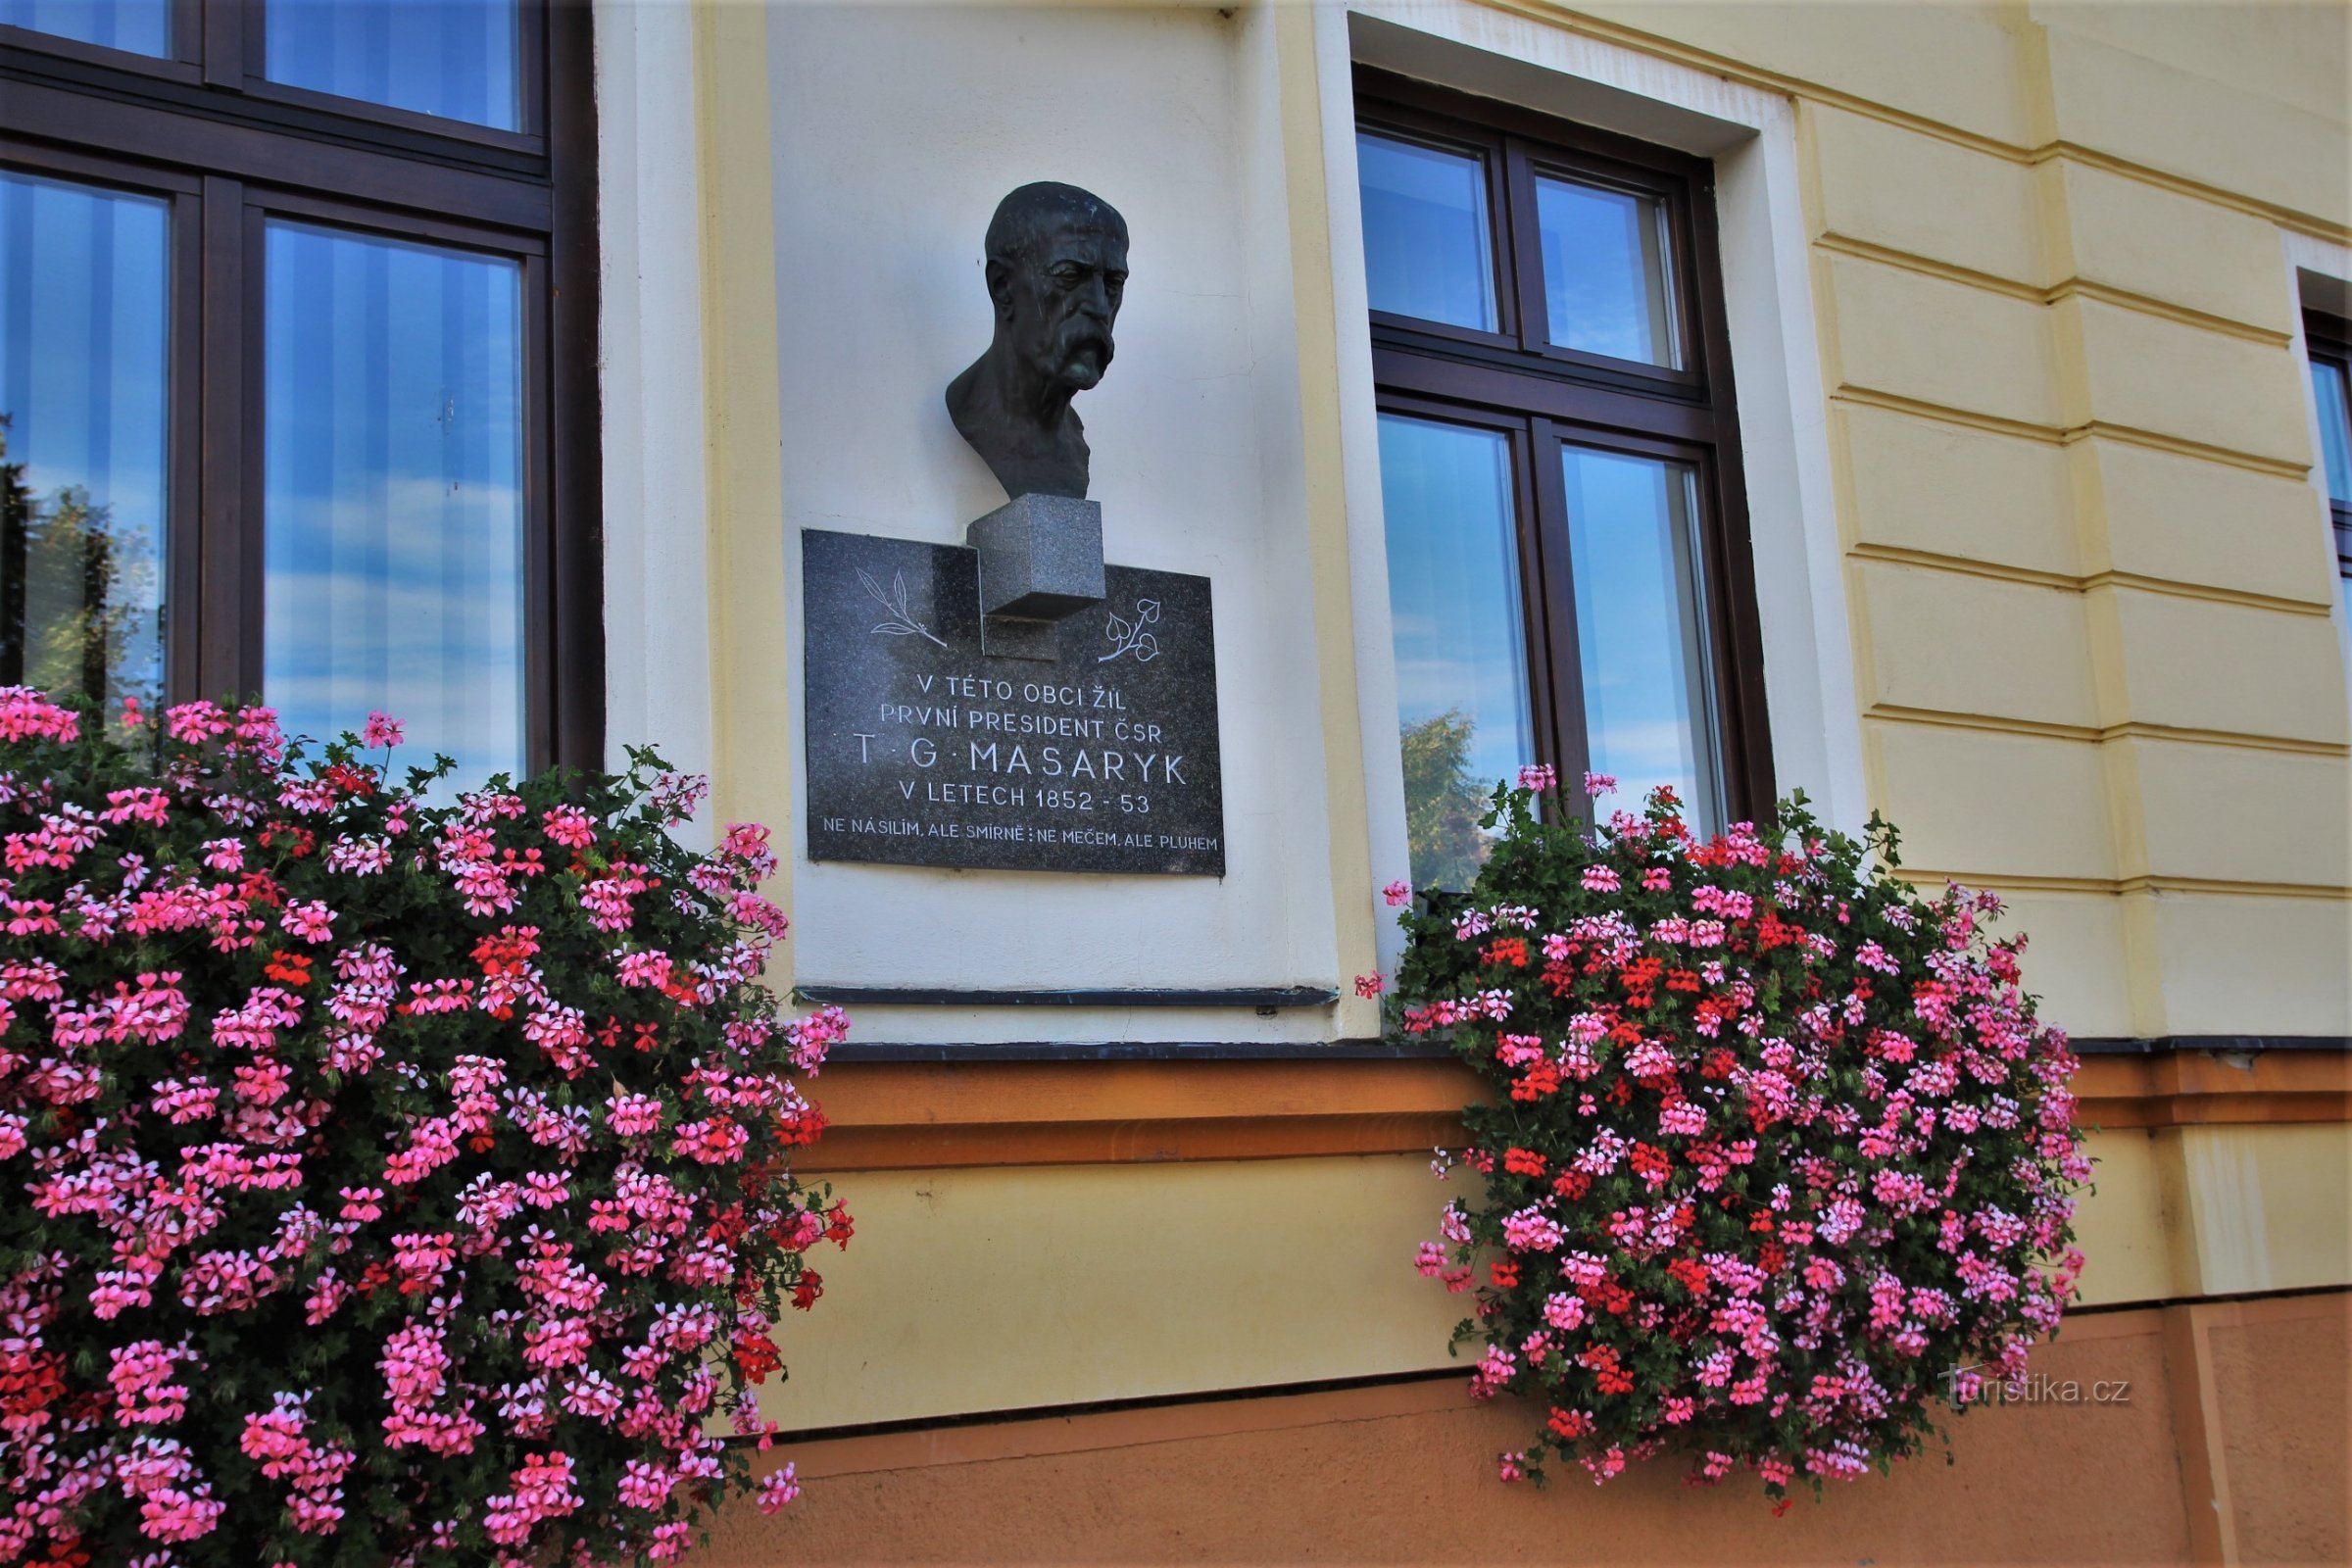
x,y
1061,1104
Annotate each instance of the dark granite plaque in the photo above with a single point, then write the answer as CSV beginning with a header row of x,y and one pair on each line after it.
x,y
925,752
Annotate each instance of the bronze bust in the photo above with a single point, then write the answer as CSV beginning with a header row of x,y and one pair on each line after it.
x,y
1057,266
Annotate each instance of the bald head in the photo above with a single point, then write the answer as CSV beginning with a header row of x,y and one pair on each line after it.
x,y
1034,213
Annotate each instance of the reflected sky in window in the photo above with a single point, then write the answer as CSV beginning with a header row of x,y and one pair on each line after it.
x,y
1427,245
2335,428
393,503
1458,617
1604,273
1631,537
83,387
142,26
452,58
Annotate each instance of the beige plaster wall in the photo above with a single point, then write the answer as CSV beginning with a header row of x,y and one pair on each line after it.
x,y
1005,1289
2090,605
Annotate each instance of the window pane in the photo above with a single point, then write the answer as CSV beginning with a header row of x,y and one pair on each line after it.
x,y
1427,250
142,26
1604,272
2335,428
83,394
452,58
1461,650
393,498
1631,536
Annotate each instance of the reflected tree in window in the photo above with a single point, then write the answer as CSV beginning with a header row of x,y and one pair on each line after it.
x,y
77,595
1442,802
83,392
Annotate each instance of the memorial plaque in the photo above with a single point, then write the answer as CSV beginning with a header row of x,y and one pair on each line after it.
x,y
922,750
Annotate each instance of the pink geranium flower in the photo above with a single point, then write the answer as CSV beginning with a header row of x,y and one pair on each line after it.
x,y
1733,1084
352,1108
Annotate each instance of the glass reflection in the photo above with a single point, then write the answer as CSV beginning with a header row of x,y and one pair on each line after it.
x,y
1462,654
83,454
2335,428
141,26
452,58
1604,272
1427,249
393,492
1632,541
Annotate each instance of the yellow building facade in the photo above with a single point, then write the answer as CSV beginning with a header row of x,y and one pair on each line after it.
x,y
2017,300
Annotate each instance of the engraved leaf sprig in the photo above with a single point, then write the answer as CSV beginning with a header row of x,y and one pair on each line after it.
x,y
1132,637
901,621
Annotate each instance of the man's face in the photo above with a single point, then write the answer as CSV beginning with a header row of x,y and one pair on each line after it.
x,y
1060,301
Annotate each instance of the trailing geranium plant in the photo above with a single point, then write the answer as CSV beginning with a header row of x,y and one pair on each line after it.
x,y
387,1182
1778,1159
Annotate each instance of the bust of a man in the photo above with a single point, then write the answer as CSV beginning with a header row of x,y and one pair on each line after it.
x,y
1057,266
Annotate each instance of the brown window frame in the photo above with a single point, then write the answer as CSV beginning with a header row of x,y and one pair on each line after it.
x,y
1513,379
228,148
2328,341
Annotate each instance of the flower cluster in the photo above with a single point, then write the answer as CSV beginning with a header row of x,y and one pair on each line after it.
x,y
390,1182
1778,1159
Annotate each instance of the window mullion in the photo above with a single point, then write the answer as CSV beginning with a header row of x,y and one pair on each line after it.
x,y
1554,612
183,558
575,643
539,705
187,32
225,29
535,52
223,591
1522,241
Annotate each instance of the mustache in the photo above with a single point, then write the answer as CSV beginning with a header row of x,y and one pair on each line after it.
x,y
1083,341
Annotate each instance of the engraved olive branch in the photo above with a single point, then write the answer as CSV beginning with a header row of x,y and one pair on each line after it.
x,y
1133,639
901,621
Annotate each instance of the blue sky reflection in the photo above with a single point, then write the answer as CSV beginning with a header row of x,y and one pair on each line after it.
x,y
1638,627
1453,586
393,451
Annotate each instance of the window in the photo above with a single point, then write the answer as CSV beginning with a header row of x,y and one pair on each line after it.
x,y
1568,563
297,375
2330,344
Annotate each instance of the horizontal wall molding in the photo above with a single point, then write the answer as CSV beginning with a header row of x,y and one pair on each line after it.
x,y
1946,414
1418,1051
1833,243
986,1107
1837,244
1964,566
2030,577
1750,74
2219,1044
2025,882
2067,435
2183,447
2300,221
2178,589
1255,996
2085,734
1559,15
980,1108
2184,315
1133,1050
